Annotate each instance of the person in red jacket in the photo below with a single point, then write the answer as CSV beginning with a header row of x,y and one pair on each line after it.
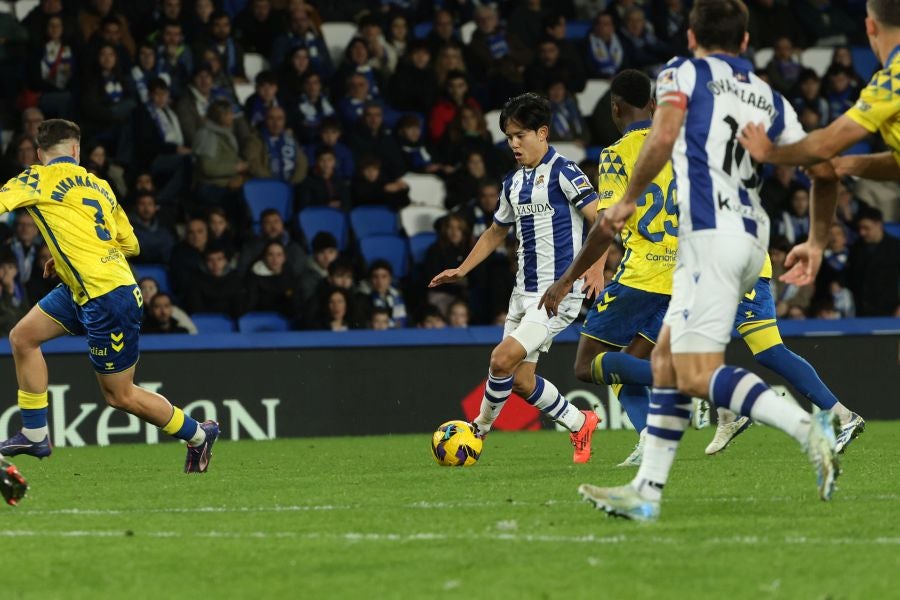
x,y
456,96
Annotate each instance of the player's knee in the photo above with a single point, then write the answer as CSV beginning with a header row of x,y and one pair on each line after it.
x,y
583,370
661,364
692,383
523,388
19,339
124,399
502,363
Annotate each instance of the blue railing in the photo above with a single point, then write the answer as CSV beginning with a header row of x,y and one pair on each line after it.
x,y
472,336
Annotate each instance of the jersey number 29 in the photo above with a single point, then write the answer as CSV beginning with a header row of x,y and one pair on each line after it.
x,y
659,203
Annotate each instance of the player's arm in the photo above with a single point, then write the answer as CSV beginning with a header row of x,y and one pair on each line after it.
x,y
882,166
487,243
16,194
125,237
593,275
804,260
820,145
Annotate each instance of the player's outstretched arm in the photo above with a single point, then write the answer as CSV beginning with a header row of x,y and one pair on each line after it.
x,y
489,241
818,146
804,260
882,166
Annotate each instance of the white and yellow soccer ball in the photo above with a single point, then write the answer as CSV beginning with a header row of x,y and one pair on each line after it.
x,y
455,444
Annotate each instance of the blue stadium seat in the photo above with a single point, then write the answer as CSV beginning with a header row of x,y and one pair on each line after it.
x,y
861,147
864,61
577,30
391,248
262,322
262,194
421,30
158,272
373,220
593,153
314,219
892,229
213,323
419,244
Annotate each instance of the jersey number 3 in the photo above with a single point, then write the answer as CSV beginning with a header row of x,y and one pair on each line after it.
x,y
101,229
660,202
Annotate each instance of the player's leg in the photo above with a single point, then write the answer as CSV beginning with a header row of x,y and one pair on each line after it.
x,y
53,317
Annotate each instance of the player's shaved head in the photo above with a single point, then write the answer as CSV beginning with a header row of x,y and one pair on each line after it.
x,y
719,24
632,87
886,12
53,132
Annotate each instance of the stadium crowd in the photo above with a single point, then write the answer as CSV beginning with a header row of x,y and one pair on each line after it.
x,y
155,85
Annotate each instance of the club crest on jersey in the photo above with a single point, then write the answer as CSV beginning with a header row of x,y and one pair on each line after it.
x,y
535,210
539,184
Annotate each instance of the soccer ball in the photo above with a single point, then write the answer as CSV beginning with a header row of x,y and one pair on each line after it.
x,y
454,444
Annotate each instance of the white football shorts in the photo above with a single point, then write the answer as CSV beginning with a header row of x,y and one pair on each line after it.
x,y
531,326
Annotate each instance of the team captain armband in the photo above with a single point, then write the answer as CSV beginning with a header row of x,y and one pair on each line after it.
x,y
671,91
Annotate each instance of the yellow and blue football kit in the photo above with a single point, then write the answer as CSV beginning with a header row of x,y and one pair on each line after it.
x,y
635,301
878,106
89,237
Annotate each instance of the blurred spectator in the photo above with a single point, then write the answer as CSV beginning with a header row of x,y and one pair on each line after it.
x,y
23,247
110,32
371,186
36,21
231,53
381,293
194,103
197,23
843,56
173,56
550,66
330,132
566,124
603,48
795,313
142,182
382,58
442,32
13,49
28,125
455,97
221,233
271,284
458,314
96,162
462,186
397,40
156,240
274,153
272,229
261,100
809,87
146,70
670,23
149,289
223,84
356,61
259,25
554,28
448,59
823,308
794,222
13,303
187,256
770,20
498,56
825,22
219,169
776,192
467,133
452,246
525,21
324,252
842,299
839,91
336,314
372,139
784,69
644,49
164,12
432,318
835,257
51,68
416,156
350,106
324,187
108,103
849,209
216,288
160,144
21,154
313,107
38,286
158,318
380,319
874,267
340,276
414,85
302,32
787,295
480,213
293,72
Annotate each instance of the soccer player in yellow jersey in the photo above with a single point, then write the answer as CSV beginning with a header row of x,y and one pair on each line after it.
x,y
628,313
878,109
89,237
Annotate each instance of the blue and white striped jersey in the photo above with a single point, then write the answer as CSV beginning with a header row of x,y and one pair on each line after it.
x,y
718,184
545,205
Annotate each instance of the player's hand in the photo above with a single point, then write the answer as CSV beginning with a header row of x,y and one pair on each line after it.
x,y
50,268
844,165
554,295
755,139
802,262
615,216
448,276
593,281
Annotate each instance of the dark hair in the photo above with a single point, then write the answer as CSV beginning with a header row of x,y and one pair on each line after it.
x,y
266,76
380,310
633,87
159,294
201,68
432,311
529,110
886,12
719,24
55,131
269,212
380,263
143,194
325,150
214,249
322,241
550,20
330,123
218,14
839,69
157,84
409,120
807,75
456,74
780,243
340,266
110,20
171,23
218,109
872,214
269,244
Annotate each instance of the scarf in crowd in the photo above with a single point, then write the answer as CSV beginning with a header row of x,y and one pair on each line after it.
x,y
141,78
565,120
200,103
314,112
258,110
369,73
497,45
418,156
56,55
166,124
282,155
113,89
228,54
24,258
606,57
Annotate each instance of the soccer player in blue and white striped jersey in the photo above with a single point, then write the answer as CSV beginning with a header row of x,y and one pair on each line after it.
x,y
723,236
548,199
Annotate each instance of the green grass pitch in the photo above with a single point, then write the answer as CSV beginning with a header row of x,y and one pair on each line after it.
x,y
375,517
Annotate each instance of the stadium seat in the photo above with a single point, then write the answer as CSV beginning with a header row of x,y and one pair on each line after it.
x,y
158,272
391,248
817,59
573,152
6,136
466,31
762,57
373,220
262,194
425,190
593,91
492,118
892,229
419,244
864,61
262,322
577,30
314,219
860,147
234,7
593,153
419,219
243,91
21,8
253,64
337,37
421,30
212,323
